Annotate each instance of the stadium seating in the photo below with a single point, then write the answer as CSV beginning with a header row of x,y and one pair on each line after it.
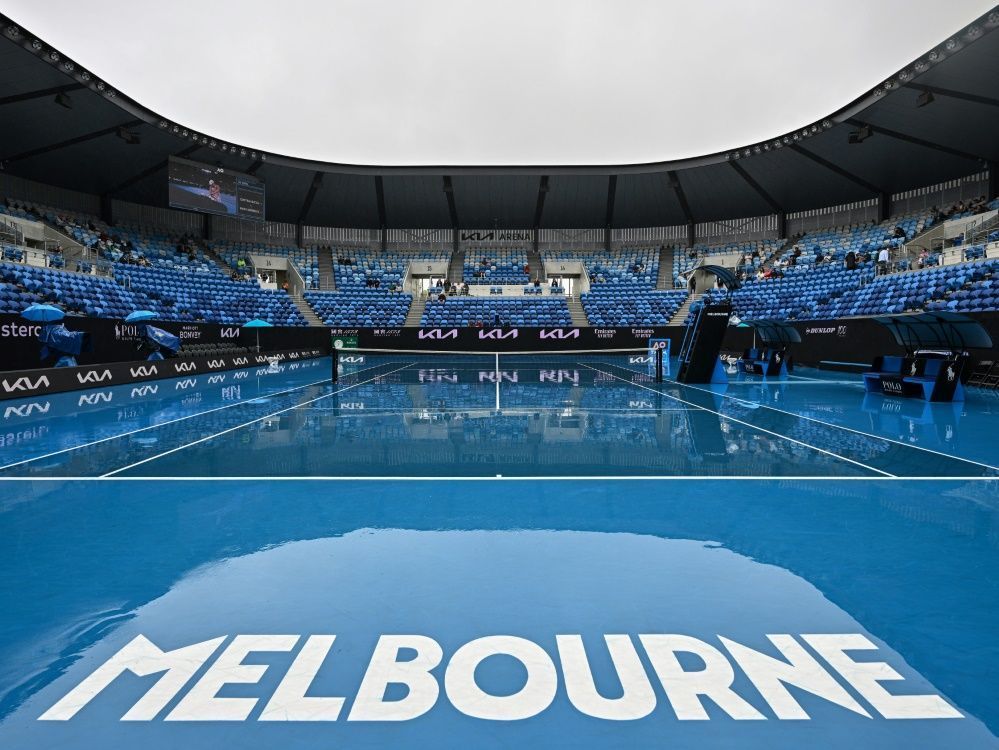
x,y
496,266
360,307
96,296
637,267
465,311
686,258
606,305
305,260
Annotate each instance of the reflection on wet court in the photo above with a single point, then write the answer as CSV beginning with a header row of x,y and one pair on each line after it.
x,y
567,554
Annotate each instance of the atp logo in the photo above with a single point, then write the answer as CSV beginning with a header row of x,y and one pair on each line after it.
x,y
498,334
93,376
438,333
559,333
184,367
93,399
24,384
26,410
144,371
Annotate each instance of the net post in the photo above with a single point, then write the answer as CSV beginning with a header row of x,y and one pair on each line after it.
x,y
659,364
335,374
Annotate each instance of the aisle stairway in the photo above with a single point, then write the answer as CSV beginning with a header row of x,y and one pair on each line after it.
x,y
537,267
456,268
415,314
307,312
681,314
579,318
218,259
327,280
665,278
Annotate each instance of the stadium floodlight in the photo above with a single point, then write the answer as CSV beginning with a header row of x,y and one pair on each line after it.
x,y
974,32
36,45
13,32
163,123
84,76
950,45
54,56
859,136
68,66
924,98
63,100
242,152
934,56
100,85
994,17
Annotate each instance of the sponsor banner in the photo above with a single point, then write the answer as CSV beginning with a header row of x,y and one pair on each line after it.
x,y
30,383
118,341
492,339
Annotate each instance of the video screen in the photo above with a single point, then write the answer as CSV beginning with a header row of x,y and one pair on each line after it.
x,y
212,190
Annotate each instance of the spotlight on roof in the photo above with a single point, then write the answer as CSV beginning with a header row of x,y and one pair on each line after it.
x,y
924,98
63,100
859,136
129,136
13,31
36,45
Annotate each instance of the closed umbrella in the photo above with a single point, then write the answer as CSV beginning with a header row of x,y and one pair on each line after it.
x,y
140,315
40,313
257,323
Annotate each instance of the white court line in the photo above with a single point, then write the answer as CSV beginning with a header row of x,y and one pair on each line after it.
x,y
169,421
748,424
252,421
840,427
505,478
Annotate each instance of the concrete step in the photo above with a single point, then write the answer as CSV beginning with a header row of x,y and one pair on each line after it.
x,y
415,314
579,319
327,279
456,266
219,260
665,278
681,314
537,267
307,312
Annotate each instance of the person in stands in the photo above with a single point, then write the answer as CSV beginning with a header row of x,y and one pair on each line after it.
x,y
850,261
883,258
924,258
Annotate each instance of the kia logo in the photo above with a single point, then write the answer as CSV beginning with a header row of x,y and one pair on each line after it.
x,y
240,375
93,376
143,371
26,410
25,384
92,399
238,361
184,366
214,364
145,390
216,379
559,333
229,333
185,384
437,333
497,333
354,360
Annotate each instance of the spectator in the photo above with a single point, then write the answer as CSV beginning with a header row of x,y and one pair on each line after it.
x,y
819,257
537,282
527,269
923,259
442,297
851,261
883,258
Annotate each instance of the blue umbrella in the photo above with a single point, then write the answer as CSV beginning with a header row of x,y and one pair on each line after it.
x,y
38,313
140,315
257,323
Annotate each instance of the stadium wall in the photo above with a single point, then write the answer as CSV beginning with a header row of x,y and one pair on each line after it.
x,y
116,341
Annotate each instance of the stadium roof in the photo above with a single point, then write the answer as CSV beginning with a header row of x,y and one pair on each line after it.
x,y
932,121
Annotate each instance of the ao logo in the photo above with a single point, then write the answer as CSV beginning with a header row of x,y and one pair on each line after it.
x,y
559,333
26,410
184,366
92,399
392,663
143,371
25,384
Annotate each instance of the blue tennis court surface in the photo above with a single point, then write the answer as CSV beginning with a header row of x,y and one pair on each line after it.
x,y
476,552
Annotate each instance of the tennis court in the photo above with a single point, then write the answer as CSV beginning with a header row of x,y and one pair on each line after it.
x,y
554,544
